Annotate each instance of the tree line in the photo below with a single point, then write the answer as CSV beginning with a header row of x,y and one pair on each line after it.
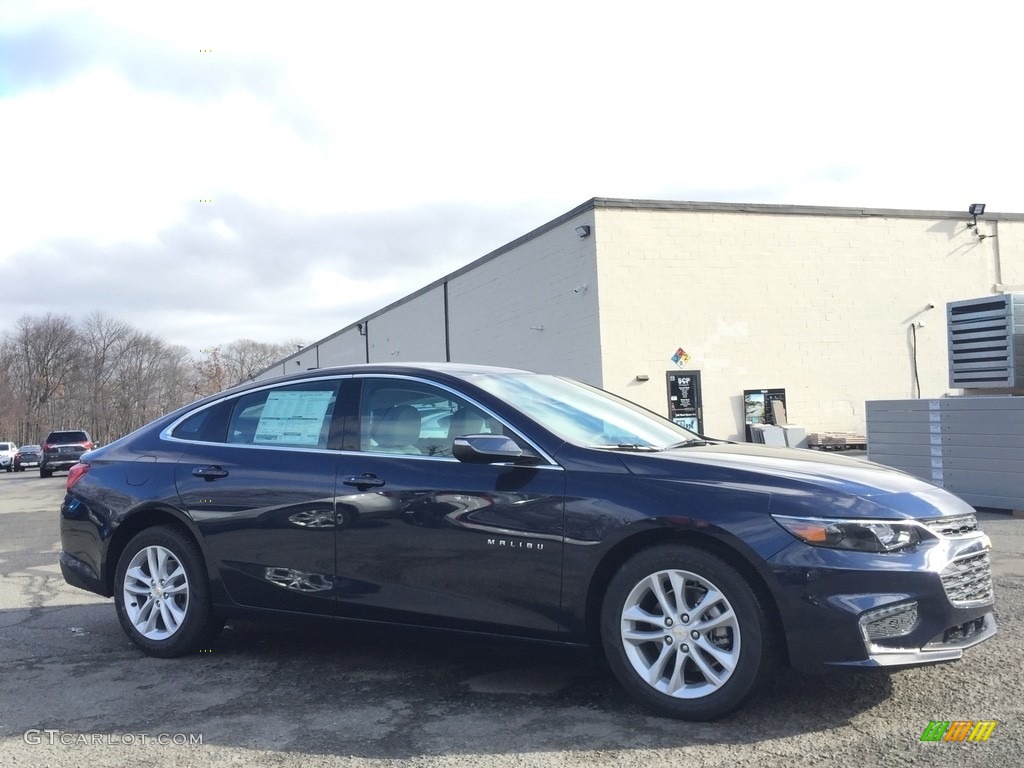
x,y
102,375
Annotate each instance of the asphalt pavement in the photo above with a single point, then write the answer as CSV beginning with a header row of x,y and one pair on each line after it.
x,y
75,692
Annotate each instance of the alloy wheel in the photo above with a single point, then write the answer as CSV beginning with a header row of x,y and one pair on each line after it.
x,y
680,634
156,592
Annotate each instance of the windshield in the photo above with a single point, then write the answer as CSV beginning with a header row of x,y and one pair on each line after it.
x,y
585,415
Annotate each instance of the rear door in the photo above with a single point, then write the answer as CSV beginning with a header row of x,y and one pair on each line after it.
x,y
258,478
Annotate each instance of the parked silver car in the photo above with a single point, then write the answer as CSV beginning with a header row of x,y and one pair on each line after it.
x,y
7,451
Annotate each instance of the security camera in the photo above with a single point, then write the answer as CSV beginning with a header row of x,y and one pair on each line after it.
x,y
930,306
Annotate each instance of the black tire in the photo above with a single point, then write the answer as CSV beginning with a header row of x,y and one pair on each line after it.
x,y
174,613
45,472
683,652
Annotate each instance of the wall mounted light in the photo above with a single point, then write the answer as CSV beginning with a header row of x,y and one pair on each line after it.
x,y
974,211
642,377
583,231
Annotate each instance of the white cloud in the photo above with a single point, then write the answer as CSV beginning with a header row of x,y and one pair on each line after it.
x,y
324,131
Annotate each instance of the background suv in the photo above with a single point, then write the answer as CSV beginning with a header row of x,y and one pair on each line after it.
x,y
63,449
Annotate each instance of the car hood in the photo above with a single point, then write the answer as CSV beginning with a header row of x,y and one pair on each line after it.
x,y
800,478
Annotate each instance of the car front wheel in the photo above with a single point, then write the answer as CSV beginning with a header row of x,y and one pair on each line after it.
x,y
683,632
162,594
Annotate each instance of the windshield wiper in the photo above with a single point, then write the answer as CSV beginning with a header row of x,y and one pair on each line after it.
x,y
626,447
685,444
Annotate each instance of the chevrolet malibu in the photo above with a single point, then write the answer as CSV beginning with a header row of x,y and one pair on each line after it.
x,y
503,502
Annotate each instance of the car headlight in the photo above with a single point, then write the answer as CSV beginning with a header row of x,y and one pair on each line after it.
x,y
859,535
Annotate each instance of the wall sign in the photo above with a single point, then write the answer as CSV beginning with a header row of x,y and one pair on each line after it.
x,y
685,406
757,407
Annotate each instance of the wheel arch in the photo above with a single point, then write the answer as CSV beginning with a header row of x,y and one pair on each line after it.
x,y
140,520
628,547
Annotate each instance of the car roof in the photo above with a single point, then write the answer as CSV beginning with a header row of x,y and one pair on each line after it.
x,y
455,370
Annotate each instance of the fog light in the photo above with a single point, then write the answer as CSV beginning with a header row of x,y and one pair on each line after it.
x,y
894,621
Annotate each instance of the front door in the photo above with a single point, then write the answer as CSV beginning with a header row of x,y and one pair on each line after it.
x,y
425,538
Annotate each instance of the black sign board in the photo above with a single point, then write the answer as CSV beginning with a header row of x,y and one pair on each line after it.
x,y
757,407
685,406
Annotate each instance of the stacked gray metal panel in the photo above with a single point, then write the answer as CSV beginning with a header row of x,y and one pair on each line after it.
x,y
986,342
972,446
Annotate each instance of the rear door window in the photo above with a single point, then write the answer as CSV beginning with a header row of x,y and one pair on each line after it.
x,y
296,416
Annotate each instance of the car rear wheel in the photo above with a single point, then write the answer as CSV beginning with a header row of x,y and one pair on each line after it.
x,y
45,472
162,594
684,632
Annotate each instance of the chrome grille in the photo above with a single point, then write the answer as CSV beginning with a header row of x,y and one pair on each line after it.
x,y
968,580
952,527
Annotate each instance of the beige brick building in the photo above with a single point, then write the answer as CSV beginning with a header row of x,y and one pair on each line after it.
x,y
823,302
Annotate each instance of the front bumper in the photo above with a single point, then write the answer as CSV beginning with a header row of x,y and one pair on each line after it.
x,y
922,605
949,646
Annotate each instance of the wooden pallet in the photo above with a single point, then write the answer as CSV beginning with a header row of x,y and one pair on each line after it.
x,y
836,441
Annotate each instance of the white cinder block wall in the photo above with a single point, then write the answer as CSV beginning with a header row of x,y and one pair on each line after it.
x,y
821,305
412,331
345,348
818,301
533,307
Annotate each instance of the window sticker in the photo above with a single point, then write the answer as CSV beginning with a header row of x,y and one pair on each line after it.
x,y
293,418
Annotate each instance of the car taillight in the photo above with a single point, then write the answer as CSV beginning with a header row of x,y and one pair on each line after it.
x,y
47,446
87,445
75,474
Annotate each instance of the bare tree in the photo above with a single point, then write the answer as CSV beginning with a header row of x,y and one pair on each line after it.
x,y
105,376
210,375
45,359
11,403
244,358
103,342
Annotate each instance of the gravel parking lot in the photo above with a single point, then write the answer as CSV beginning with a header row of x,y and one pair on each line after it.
x,y
74,692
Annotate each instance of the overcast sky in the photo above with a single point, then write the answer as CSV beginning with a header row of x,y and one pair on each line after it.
x,y
218,170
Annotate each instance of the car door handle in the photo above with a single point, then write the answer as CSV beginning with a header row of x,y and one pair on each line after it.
x,y
209,473
364,482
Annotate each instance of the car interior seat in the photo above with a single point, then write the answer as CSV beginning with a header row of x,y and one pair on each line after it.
x,y
398,430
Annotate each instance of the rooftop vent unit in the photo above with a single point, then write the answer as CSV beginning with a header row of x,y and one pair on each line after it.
x,y
986,342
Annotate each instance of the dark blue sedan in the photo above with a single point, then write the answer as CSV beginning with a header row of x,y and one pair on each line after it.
x,y
504,502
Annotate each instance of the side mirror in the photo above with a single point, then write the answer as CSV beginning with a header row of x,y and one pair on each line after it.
x,y
491,449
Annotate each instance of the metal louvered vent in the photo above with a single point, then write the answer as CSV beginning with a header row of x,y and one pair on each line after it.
x,y
986,342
